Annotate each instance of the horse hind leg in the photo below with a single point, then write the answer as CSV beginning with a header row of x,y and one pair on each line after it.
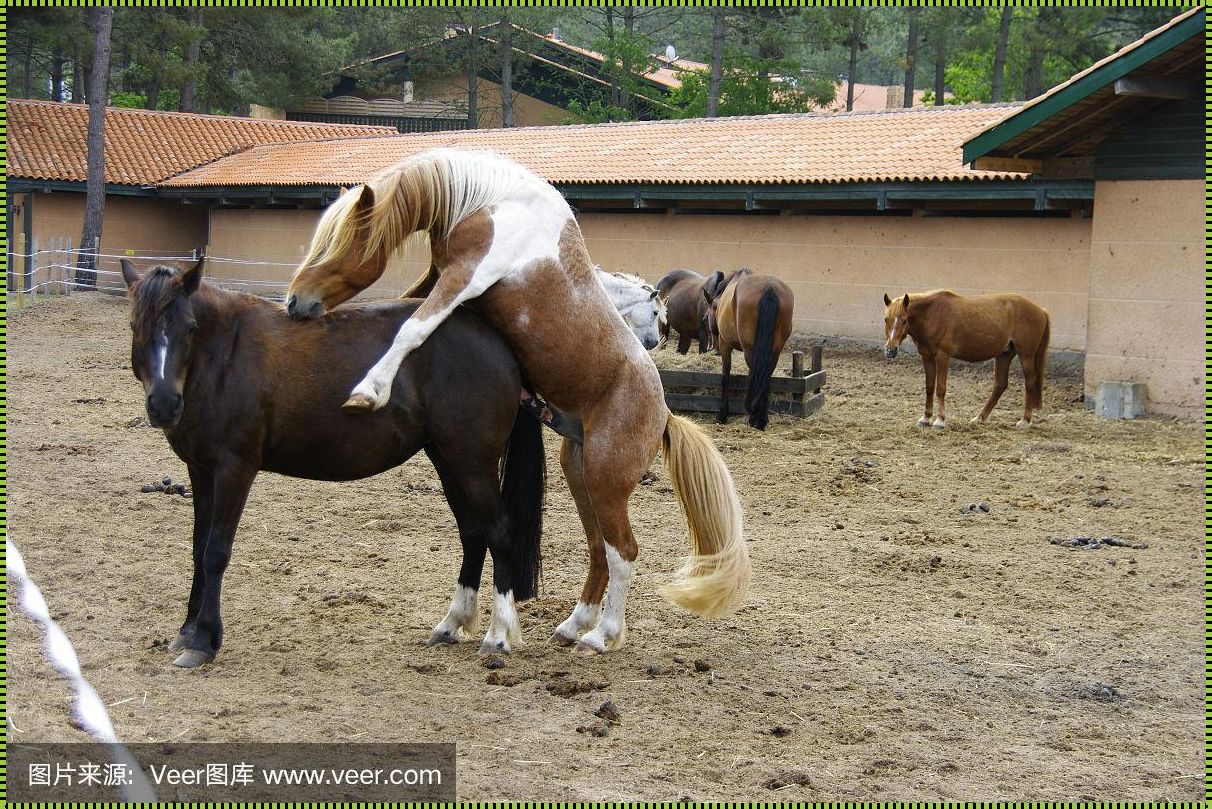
x,y
462,619
612,471
1031,379
589,607
1001,379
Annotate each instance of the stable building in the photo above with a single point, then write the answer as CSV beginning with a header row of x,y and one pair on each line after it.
x,y
1133,124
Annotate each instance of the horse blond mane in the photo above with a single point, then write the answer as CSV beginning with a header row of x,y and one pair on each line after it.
x,y
431,192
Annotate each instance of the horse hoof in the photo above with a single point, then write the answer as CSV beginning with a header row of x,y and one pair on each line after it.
x,y
436,637
192,658
589,648
179,642
499,647
1023,424
558,639
358,403
976,420
923,422
939,424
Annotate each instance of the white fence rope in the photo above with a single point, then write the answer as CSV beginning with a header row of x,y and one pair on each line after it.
x,y
87,708
275,290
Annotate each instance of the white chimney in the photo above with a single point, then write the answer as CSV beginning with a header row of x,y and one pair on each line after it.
x,y
670,52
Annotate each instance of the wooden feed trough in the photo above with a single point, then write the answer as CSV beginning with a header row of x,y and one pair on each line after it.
x,y
796,394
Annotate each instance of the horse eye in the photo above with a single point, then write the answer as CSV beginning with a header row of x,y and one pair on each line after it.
x,y
193,327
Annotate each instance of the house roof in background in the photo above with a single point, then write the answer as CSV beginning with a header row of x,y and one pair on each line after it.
x,y
47,140
915,144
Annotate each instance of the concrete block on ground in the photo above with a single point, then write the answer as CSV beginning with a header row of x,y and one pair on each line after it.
x,y
1120,400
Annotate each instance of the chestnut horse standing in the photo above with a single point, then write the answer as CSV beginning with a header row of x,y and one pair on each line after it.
x,y
506,243
752,313
682,291
974,329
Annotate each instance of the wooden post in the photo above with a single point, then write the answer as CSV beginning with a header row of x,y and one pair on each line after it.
x,y
816,358
797,364
31,266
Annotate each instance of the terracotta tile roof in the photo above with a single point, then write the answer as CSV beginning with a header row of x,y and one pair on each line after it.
x,y
920,143
47,140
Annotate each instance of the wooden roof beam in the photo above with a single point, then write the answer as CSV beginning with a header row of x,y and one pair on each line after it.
x,y
1146,86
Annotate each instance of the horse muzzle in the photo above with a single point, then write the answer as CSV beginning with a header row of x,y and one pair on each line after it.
x,y
302,310
164,409
890,352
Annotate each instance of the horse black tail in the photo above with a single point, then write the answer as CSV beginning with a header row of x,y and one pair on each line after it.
x,y
523,482
757,395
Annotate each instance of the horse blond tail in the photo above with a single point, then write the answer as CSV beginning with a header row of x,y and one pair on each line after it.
x,y
715,577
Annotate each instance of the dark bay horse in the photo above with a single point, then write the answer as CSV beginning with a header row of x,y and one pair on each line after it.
x,y
237,387
506,243
752,313
687,308
974,329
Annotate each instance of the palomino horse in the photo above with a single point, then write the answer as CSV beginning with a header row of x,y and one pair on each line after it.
x,y
638,302
506,243
752,313
683,294
974,329
238,388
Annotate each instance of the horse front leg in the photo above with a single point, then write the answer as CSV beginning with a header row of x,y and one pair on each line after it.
x,y
942,361
202,482
231,483
928,365
456,284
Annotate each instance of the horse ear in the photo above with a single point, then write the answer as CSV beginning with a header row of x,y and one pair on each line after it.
x,y
715,283
906,301
887,300
366,199
129,274
191,279
655,293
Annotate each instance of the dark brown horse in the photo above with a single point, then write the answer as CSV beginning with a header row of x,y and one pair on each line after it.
x,y
978,328
682,291
238,387
752,313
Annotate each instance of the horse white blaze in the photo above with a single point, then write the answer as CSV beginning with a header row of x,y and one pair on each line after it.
x,y
504,630
612,627
526,229
462,614
161,355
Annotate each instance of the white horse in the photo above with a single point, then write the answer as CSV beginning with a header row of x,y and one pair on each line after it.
x,y
638,302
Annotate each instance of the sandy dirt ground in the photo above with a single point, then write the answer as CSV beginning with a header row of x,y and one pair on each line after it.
x,y
893,647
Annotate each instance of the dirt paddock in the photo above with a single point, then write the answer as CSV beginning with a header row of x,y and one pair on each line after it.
x,y
896,645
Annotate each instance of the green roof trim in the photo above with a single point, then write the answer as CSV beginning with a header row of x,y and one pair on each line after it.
x,y
1084,87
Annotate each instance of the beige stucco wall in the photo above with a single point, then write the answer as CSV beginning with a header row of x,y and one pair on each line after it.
x,y
139,227
839,267
1146,310
527,110
263,248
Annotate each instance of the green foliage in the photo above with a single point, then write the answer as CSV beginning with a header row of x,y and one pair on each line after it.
x,y
596,112
747,88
